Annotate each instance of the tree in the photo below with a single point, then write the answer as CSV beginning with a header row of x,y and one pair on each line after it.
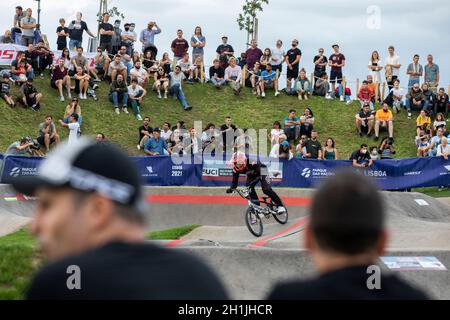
x,y
247,19
113,12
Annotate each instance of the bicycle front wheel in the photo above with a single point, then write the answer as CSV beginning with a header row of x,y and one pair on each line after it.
x,y
253,222
282,218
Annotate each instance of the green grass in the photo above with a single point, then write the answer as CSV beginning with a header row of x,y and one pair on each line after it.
x,y
20,259
434,192
333,118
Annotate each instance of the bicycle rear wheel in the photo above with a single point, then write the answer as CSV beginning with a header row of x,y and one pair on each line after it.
x,y
282,218
253,222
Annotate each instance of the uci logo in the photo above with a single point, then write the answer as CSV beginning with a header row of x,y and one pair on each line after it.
x,y
447,167
15,172
150,169
306,173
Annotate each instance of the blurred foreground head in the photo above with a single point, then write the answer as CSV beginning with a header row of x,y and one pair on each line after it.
x,y
347,224
88,194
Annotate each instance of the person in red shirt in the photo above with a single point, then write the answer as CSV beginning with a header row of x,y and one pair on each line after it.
x,y
61,79
365,95
179,46
253,54
336,62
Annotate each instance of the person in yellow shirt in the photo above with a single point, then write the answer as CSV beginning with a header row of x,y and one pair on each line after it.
x,y
423,121
384,119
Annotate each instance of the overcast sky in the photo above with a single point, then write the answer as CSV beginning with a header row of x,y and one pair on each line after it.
x,y
412,26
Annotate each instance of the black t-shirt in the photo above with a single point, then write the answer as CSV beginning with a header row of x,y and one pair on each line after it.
x,y
360,157
62,40
313,147
347,284
364,115
224,134
320,69
221,50
119,271
31,56
142,128
292,55
106,27
77,32
220,72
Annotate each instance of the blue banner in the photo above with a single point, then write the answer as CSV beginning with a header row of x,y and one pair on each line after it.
x,y
195,171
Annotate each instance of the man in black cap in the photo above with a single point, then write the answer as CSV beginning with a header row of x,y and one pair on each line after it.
x,y
345,236
89,221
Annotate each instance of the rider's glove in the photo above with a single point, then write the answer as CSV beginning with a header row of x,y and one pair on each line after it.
x,y
230,191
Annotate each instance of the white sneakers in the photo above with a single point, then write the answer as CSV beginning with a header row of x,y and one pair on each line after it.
x,y
125,110
328,97
341,98
263,94
117,110
349,102
277,93
62,99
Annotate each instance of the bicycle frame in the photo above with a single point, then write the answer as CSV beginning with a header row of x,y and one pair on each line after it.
x,y
266,211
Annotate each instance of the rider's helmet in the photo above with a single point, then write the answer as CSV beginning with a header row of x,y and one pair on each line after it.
x,y
239,161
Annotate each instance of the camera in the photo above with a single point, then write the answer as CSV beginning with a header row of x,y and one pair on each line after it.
x,y
34,144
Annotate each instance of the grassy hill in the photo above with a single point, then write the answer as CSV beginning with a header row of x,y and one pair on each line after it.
x,y
333,118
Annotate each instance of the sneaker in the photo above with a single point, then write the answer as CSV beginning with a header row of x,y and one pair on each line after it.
x,y
300,97
349,102
281,210
138,147
277,93
187,108
306,97
69,96
409,115
328,97
95,86
125,110
139,117
117,110
97,80
159,95
254,92
80,96
341,99
263,94
61,99
165,95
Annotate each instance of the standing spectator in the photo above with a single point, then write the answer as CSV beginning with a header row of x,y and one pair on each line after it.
x,y
135,95
415,100
145,133
119,92
365,121
320,65
361,157
265,59
5,91
432,75
74,129
107,32
31,57
253,54
224,52
61,80
441,102
336,62
313,147
156,146
384,119
444,149
147,38
101,65
176,90
330,151
217,74
233,76
30,96
275,133
117,68
76,29
80,61
140,74
278,55
47,133
307,123
128,37
116,40
198,43
16,31
62,33
365,95
292,126
81,83
28,24
300,150
242,60
228,130
179,46
414,71
375,66
292,59
322,87
302,86
161,82
392,67
269,80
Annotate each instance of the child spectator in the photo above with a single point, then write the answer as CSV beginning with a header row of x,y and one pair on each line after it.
x,y
5,91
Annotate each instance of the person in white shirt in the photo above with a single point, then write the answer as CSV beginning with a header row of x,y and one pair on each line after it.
x,y
128,37
233,76
166,133
398,96
275,133
139,73
443,150
74,128
135,95
375,65
278,55
392,67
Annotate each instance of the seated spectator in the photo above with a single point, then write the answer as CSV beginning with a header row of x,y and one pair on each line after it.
x,y
21,70
275,133
415,100
307,122
135,57
423,121
31,98
119,92
281,150
292,126
176,90
5,91
266,59
269,80
444,149
45,58
423,145
166,63
386,149
148,62
82,79
217,74
100,138
161,82
80,61
384,119
101,65
347,234
125,59
338,93
396,97
361,157
135,95
330,151
139,74
374,155
31,57
186,67
441,102
373,88
302,86
241,61
175,144
439,122
22,147
72,108
365,121
300,150
117,68
47,133
429,98
145,133
313,147
322,87
233,76
61,80
365,95
198,69
166,132
65,55
6,37
156,146
253,78
435,142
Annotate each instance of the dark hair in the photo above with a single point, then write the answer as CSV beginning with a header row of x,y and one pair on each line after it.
x,y
147,118
365,82
48,116
75,116
134,80
416,56
310,112
103,135
168,123
363,146
277,123
292,110
157,130
332,142
347,214
19,8
209,125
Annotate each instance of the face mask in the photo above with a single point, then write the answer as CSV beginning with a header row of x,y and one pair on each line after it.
x,y
127,29
116,25
131,28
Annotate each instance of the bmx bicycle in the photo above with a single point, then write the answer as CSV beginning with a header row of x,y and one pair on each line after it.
x,y
265,209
